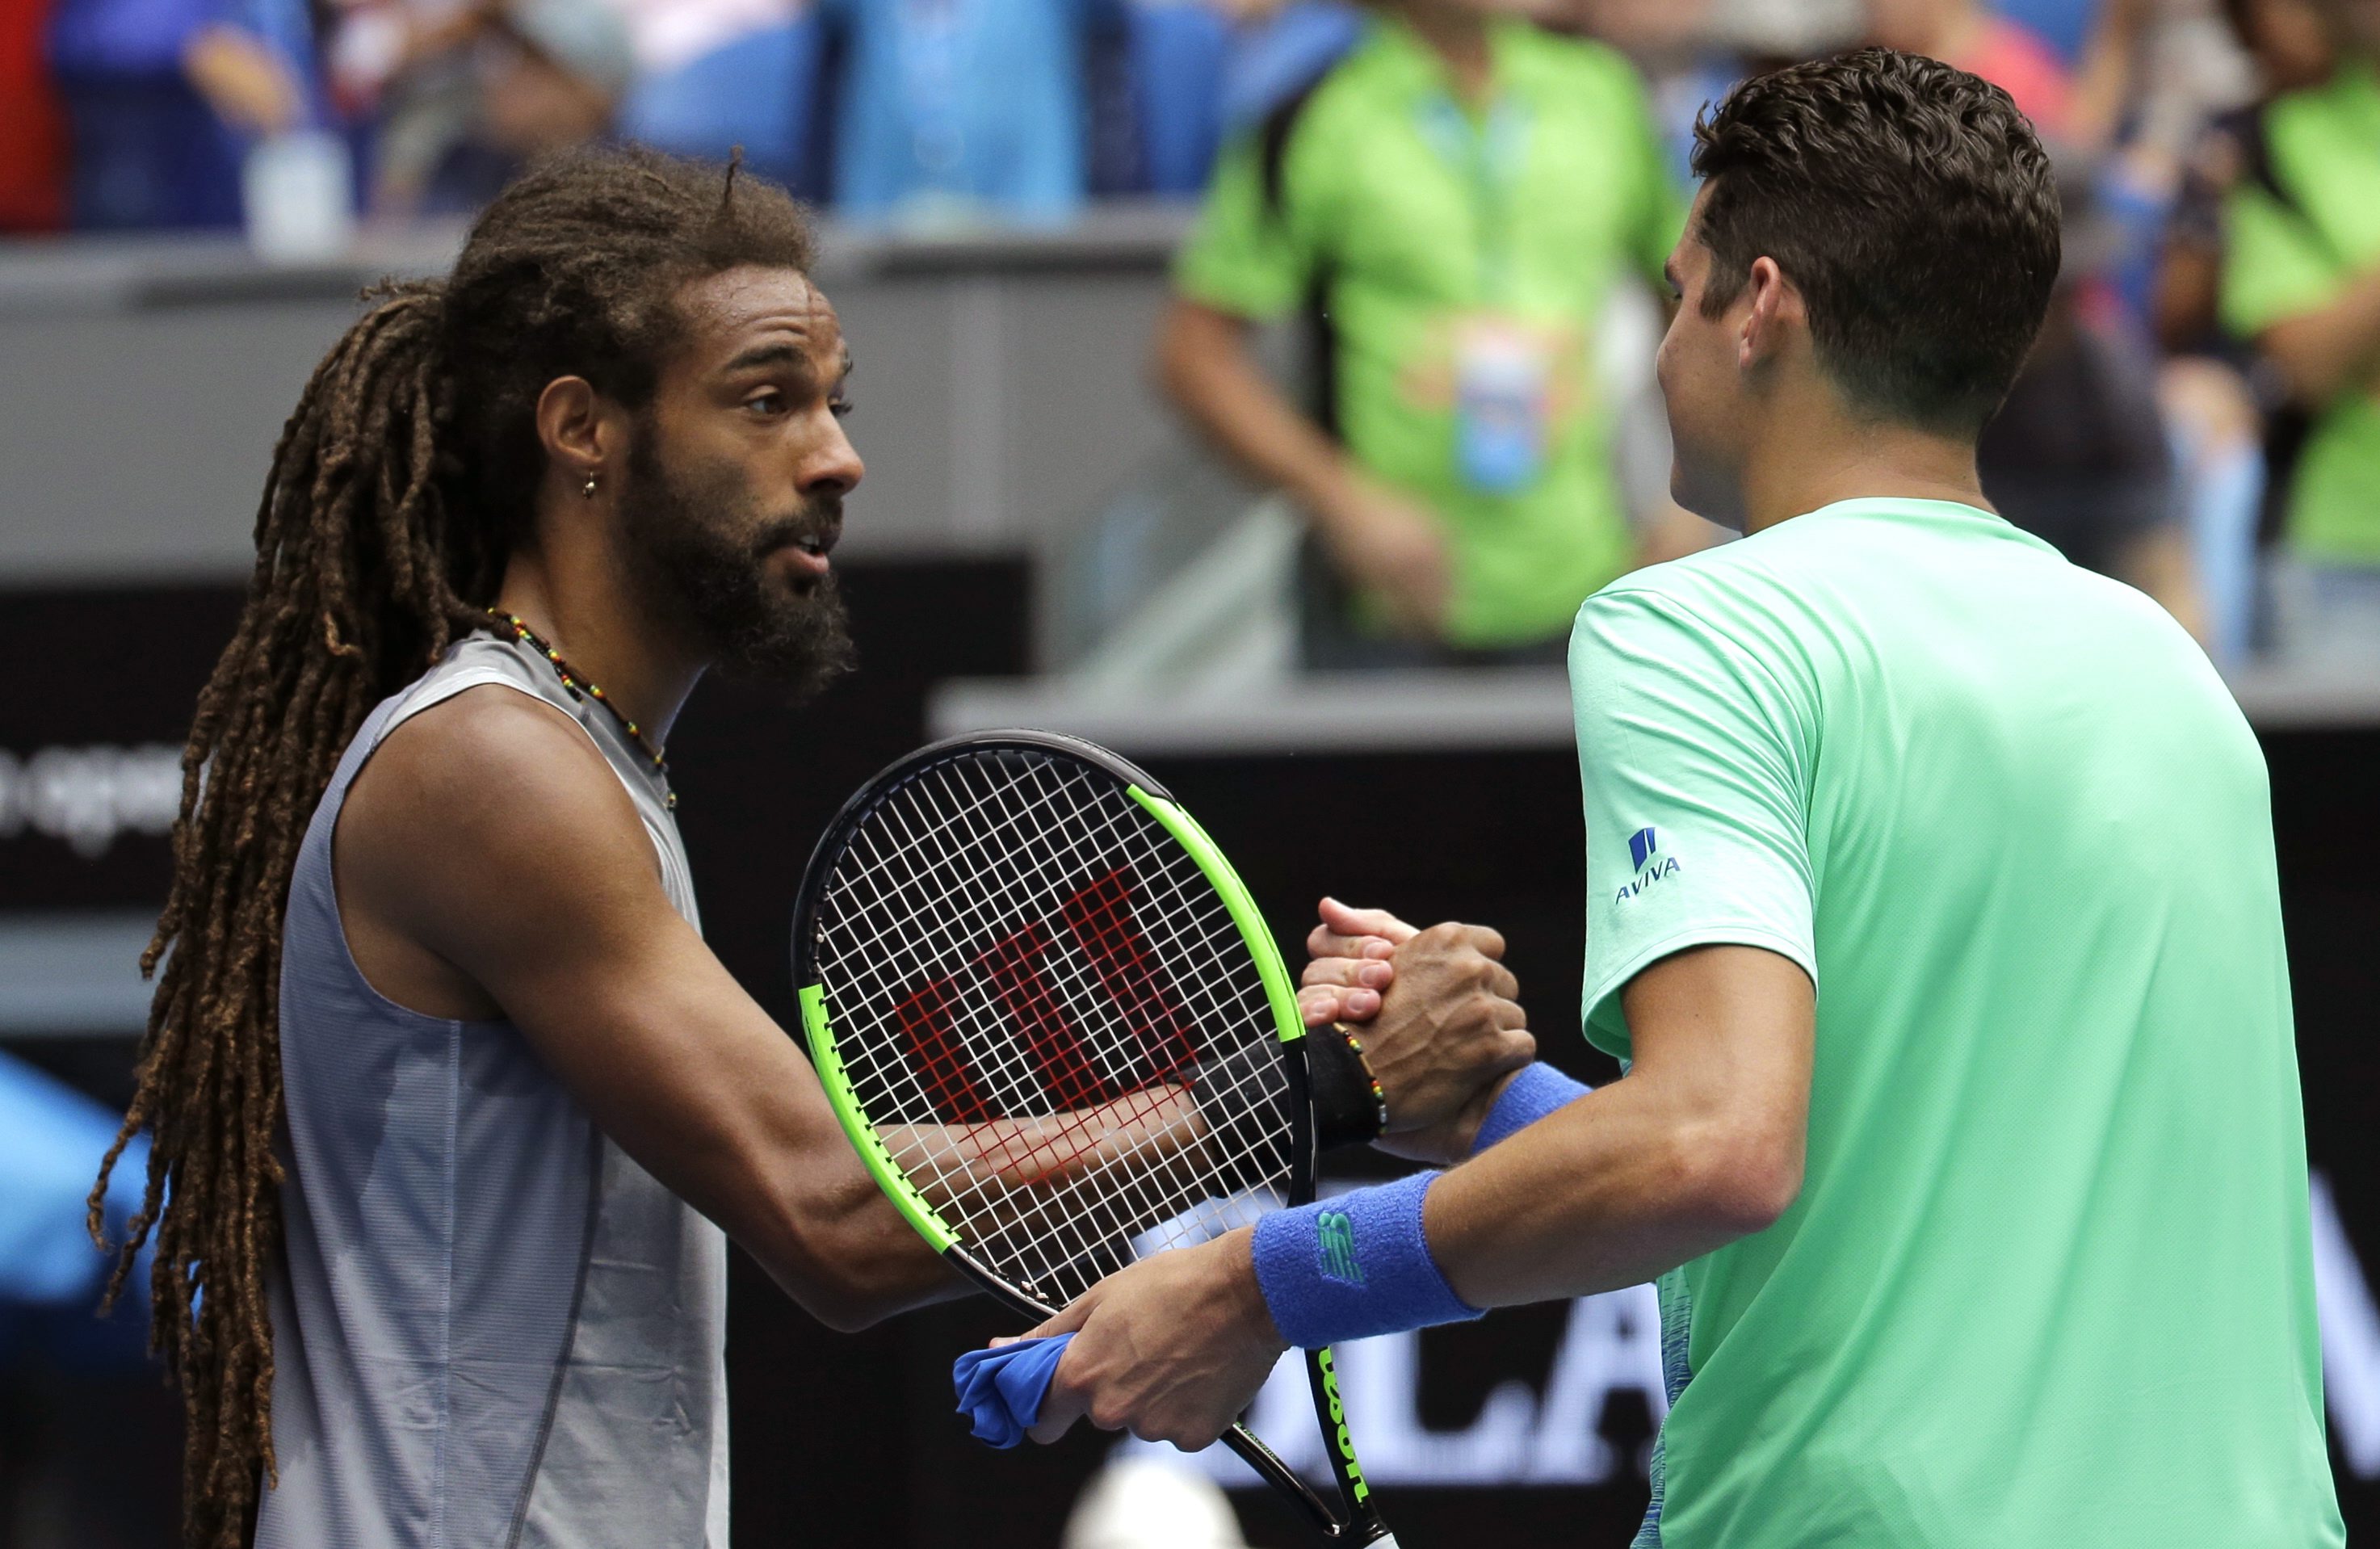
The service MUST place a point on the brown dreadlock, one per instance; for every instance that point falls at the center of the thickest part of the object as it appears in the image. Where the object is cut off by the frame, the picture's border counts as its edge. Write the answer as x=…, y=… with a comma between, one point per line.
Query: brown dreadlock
x=400, y=481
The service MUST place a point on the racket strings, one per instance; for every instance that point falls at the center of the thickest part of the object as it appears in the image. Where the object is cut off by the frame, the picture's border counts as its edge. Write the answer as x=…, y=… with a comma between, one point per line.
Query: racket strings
x=1143, y=1191
x=1103, y=1207
x=1038, y=998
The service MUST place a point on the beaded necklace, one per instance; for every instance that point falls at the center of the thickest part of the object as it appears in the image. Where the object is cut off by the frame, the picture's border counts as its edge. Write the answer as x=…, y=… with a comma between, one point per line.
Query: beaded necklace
x=586, y=688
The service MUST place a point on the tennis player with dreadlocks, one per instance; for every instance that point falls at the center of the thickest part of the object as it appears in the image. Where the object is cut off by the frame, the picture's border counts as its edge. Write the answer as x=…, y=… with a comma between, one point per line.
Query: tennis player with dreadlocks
x=448, y=1123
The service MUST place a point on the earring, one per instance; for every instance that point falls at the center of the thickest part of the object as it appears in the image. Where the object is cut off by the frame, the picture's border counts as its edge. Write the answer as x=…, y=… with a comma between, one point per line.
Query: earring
x=587, y=489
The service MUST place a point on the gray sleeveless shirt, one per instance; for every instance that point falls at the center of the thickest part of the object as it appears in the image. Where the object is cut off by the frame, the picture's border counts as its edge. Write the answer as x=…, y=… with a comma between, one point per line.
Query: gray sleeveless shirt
x=492, y=1330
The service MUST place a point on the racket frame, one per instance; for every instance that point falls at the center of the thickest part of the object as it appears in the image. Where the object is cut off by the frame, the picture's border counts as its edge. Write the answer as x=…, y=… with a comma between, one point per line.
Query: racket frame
x=1357, y=1521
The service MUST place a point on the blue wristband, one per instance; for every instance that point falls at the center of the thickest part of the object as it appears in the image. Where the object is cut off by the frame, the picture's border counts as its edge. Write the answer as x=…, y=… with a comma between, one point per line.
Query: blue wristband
x=1538, y=1090
x=1352, y=1267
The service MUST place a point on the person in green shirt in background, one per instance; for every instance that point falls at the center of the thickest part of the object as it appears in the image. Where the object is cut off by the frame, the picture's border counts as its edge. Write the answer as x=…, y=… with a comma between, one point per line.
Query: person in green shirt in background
x=2300, y=278
x=1455, y=202
x=1932, y=909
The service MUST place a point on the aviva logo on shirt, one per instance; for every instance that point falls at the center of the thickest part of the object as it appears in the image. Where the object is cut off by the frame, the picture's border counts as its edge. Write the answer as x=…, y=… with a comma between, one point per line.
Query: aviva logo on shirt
x=1645, y=849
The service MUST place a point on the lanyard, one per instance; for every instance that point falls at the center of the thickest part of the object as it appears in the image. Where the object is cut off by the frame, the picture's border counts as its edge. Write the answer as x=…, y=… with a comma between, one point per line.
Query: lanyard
x=1486, y=151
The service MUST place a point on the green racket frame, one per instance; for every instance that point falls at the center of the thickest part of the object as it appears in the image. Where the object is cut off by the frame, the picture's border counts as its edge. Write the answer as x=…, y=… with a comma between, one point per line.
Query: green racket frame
x=1359, y=1521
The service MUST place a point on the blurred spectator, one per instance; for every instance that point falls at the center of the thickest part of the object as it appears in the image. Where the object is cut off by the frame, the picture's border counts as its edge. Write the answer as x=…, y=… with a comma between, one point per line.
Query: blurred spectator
x=1969, y=34
x=2078, y=453
x=2235, y=451
x=2289, y=43
x=2064, y=24
x=2301, y=277
x=1180, y=51
x=1278, y=51
x=712, y=75
x=33, y=129
x=163, y=97
x=1453, y=204
x=464, y=93
x=954, y=112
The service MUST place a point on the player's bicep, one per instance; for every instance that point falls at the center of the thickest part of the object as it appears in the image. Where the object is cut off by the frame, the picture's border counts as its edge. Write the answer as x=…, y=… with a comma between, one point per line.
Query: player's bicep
x=1694, y=769
x=1726, y=1034
x=674, y=1060
x=527, y=867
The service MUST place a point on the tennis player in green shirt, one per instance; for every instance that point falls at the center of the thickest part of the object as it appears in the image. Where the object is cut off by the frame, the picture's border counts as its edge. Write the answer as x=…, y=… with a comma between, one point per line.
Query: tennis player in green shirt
x=1931, y=908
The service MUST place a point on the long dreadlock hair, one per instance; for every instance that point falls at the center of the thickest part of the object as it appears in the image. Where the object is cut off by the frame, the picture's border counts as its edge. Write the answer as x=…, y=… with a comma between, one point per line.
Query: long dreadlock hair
x=398, y=488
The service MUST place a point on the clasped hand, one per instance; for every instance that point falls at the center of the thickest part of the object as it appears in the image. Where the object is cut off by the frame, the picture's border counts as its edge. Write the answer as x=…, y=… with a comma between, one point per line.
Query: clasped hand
x=1173, y=1347
x=1442, y=1042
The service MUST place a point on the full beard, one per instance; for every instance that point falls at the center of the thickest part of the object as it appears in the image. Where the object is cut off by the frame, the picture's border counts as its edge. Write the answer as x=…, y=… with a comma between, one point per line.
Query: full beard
x=718, y=587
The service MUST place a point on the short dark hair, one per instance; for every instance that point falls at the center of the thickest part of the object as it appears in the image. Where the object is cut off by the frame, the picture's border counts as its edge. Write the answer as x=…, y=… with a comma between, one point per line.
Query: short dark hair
x=1912, y=207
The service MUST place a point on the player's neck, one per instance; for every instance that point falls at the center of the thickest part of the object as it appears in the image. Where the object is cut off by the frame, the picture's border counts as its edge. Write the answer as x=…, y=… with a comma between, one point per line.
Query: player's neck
x=1810, y=464
x=580, y=600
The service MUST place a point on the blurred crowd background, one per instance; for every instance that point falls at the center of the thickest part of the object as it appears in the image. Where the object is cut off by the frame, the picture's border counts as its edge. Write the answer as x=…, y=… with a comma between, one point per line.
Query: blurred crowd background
x=2199, y=419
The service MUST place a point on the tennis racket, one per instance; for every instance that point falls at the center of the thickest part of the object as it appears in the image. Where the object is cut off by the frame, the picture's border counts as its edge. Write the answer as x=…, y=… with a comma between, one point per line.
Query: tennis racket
x=1056, y=1027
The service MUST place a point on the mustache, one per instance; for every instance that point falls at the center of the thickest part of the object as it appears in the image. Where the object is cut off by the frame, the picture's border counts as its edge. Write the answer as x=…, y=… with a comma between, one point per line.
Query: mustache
x=820, y=520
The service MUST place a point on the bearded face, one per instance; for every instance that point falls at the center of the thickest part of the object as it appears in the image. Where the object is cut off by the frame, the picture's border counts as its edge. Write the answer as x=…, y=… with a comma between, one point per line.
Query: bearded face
x=712, y=555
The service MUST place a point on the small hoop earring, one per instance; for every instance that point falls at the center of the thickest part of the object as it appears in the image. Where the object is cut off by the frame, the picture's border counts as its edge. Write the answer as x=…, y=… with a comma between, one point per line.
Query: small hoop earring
x=587, y=489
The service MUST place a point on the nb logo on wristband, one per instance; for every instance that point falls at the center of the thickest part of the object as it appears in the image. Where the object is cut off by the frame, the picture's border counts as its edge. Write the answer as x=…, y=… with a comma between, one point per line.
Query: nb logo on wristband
x=1335, y=1248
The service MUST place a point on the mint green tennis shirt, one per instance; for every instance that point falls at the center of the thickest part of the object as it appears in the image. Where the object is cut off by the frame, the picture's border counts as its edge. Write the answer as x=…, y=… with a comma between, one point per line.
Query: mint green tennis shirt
x=1443, y=245
x=2049, y=1282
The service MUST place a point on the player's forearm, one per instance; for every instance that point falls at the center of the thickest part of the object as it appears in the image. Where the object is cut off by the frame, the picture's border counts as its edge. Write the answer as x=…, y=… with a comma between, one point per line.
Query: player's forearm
x=834, y=1242
x=1205, y=366
x=1611, y=1191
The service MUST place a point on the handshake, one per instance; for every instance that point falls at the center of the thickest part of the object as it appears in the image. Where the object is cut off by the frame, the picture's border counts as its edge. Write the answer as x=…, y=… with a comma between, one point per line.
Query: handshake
x=1443, y=1032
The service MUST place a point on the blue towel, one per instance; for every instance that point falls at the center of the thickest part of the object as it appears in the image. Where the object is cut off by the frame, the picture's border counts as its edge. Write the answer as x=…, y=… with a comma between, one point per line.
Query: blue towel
x=1001, y=1390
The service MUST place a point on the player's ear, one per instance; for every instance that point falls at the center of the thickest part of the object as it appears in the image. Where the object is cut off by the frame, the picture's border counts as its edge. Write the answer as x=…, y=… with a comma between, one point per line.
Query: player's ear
x=1772, y=307
x=580, y=435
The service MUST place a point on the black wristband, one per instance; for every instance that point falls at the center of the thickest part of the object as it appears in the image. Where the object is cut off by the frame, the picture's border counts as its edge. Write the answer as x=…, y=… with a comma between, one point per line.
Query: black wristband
x=1349, y=1106
x=1243, y=1098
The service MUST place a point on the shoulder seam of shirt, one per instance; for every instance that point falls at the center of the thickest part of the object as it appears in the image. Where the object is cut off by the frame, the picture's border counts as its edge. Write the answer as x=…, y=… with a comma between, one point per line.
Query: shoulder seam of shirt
x=1656, y=597
x=1809, y=739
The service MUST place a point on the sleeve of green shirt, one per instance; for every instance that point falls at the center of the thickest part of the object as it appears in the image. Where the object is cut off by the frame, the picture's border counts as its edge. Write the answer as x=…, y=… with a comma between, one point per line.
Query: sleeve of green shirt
x=2276, y=265
x=1243, y=255
x=1693, y=759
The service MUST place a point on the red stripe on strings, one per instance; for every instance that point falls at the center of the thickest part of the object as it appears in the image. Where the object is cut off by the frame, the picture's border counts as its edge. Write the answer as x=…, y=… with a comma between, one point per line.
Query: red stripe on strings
x=936, y=1053
x=1014, y=967
x=1101, y=919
